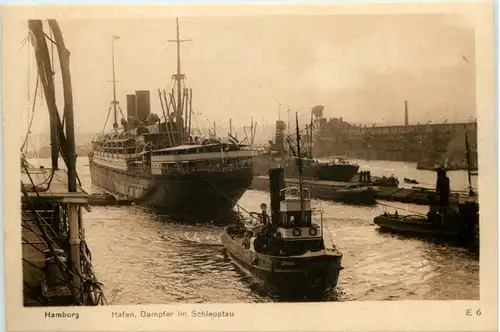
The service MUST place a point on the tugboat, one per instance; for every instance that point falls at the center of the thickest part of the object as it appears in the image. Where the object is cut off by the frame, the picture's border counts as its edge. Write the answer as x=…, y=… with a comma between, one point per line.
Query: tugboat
x=458, y=223
x=286, y=251
x=455, y=225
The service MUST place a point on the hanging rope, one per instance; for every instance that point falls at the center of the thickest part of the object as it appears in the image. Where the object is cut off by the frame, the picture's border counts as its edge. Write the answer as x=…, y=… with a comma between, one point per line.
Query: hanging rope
x=107, y=118
x=50, y=243
x=226, y=196
x=400, y=208
x=47, y=181
x=32, y=116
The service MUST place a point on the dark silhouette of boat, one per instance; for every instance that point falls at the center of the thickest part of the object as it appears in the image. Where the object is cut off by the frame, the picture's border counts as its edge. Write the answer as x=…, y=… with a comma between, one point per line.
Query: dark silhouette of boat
x=410, y=181
x=286, y=251
x=337, y=169
x=358, y=193
x=458, y=222
x=455, y=225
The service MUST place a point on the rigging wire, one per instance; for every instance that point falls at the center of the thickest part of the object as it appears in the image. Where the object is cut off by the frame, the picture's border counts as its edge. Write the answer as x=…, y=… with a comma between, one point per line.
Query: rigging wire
x=47, y=240
x=47, y=181
x=44, y=236
x=400, y=208
x=226, y=196
x=32, y=116
x=107, y=118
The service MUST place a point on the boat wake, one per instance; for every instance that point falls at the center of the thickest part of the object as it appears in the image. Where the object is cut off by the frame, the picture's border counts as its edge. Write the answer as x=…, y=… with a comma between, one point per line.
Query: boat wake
x=196, y=238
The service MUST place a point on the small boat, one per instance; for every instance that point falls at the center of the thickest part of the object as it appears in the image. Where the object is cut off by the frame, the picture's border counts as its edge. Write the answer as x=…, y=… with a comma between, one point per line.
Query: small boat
x=458, y=222
x=286, y=251
x=416, y=225
x=105, y=199
x=412, y=181
x=386, y=181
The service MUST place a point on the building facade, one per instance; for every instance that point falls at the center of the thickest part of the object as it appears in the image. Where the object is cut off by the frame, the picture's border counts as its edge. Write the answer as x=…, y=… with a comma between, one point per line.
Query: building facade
x=411, y=143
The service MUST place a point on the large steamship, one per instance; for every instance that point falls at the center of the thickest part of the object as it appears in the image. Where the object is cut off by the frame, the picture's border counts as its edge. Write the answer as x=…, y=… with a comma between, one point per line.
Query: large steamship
x=159, y=163
x=338, y=169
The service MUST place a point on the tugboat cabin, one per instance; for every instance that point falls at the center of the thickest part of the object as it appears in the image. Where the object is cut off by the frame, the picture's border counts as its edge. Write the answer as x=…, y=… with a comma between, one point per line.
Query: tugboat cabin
x=295, y=227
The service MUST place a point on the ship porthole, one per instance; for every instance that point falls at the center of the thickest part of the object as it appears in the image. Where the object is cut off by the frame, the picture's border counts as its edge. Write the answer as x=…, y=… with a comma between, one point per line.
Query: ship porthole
x=313, y=231
x=297, y=232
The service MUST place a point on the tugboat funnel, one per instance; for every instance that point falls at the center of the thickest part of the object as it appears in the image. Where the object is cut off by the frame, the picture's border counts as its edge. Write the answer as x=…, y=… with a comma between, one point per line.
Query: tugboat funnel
x=263, y=207
x=276, y=184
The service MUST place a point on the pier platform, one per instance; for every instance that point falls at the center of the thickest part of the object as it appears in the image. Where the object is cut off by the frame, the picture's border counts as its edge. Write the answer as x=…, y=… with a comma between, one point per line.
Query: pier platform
x=44, y=219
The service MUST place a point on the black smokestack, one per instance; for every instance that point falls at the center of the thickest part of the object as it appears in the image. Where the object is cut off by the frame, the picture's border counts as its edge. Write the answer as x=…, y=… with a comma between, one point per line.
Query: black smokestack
x=142, y=104
x=131, y=113
x=276, y=184
x=406, y=113
x=280, y=136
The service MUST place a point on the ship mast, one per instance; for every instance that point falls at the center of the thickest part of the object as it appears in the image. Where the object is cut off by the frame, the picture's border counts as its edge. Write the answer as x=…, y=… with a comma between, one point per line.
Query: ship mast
x=114, y=102
x=467, y=156
x=311, y=126
x=299, y=166
x=178, y=78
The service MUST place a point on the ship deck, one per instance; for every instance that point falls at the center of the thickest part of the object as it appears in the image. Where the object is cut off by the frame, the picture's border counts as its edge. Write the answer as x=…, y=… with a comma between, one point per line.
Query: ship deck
x=316, y=182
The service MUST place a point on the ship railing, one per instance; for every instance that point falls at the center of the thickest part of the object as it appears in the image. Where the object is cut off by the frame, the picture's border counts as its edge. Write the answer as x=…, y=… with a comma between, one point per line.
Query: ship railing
x=293, y=193
x=111, y=155
x=195, y=169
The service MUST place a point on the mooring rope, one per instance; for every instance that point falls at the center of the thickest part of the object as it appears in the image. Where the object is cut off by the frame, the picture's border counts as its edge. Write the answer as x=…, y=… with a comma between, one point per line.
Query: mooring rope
x=400, y=208
x=229, y=198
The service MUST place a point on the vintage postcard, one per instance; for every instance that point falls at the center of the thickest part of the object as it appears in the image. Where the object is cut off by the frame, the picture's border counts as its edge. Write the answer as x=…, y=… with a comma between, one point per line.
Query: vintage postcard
x=314, y=167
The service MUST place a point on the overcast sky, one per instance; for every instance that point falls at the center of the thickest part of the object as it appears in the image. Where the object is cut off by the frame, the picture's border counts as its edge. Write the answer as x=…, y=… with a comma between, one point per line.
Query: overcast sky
x=360, y=67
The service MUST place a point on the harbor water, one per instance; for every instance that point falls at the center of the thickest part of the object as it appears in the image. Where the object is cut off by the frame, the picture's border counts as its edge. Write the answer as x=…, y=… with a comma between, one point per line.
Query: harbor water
x=142, y=258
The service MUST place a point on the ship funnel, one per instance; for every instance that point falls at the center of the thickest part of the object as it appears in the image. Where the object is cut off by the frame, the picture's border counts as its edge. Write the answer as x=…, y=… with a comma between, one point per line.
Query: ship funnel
x=142, y=104
x=276, y=184
x=280, y=136
x=131, y=113
x=406, y=113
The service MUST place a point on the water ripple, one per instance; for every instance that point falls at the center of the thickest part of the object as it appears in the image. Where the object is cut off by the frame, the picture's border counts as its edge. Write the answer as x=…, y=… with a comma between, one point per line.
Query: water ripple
x=145, y=258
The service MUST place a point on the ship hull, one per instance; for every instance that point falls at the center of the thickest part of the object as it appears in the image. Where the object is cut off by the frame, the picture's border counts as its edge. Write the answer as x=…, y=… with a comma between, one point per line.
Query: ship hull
x=311, y=275
x=343, y=173
x=335, y=172
x=416, y=226
x=201, y=194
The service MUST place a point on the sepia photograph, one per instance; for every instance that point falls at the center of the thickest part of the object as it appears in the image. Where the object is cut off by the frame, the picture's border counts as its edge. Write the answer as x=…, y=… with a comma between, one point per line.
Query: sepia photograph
x=252, y=157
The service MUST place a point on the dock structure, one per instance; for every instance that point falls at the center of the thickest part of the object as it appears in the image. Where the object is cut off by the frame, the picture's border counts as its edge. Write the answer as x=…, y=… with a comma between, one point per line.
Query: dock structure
x=409, y=142
x=57, y=267
x=331, y=190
